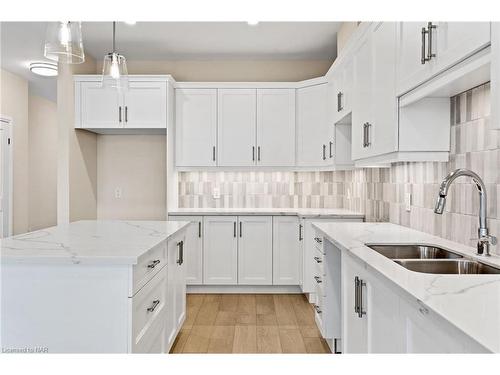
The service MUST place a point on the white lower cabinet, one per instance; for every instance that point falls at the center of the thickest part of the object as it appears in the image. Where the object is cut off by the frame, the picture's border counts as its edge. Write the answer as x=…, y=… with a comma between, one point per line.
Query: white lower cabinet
x=287, y=250
x=176, y=291
x=255, y=250
x=220, y=250
x=193, y=250
x=379, y=318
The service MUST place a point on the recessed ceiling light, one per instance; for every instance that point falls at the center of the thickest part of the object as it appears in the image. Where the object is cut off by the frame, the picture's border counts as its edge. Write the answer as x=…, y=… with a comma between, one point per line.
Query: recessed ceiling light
x=130, y=22
x=253, y=23
x=44, y=69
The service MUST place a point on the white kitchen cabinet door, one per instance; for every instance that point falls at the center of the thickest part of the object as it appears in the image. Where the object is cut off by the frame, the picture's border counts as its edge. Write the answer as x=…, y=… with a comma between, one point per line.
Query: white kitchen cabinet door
x=220, y=250
x=383, y=129
x=276, y=127
x=255, y=250
x=454, y=41
x=362, y=99
x=411, y=70
x=312, y=125
x=146, y=105
x=98, y=107
x=355, y=326
x=236, y=127
x=193, y=249
x=195, y=127
x=287, y=250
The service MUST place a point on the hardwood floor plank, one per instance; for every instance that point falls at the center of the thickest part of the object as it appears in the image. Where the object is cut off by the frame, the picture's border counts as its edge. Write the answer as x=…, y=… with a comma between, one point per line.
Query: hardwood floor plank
x=207, y=314
x=180, y=341
x=221, y=340
x=311, y=331
x=291, y=341
x=303, y=310
x=264, y=304
x=225, y=318
x=246, y=304
x=245, y=339
x=229, y=302
x=268, y=339
x=198, y=339
x=212, y=298
x=316, y=345
x=267, y=320
x=246, y=319
x=284, y=311
x=193, y=305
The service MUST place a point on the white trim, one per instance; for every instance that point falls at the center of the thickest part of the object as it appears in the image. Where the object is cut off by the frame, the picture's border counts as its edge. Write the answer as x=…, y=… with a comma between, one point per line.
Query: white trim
x=296, y=168
x=7, y=123
x=235, y=85
x=132, y=77
x=244, y=289
x=384, y=161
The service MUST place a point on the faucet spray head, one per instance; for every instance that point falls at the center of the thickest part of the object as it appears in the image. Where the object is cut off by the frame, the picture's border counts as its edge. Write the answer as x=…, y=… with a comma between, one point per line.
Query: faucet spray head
x=440, y=203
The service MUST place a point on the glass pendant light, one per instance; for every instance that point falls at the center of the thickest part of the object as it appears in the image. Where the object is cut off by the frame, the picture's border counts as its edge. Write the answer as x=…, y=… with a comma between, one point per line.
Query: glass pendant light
x=63, y=42
x=114, y=68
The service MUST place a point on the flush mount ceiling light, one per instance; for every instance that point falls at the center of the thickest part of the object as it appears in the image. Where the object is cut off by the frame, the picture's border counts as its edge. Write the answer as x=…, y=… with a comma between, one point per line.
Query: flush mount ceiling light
x=44, y=69
x=63, y=42
x=253, y=23
x=114, y=68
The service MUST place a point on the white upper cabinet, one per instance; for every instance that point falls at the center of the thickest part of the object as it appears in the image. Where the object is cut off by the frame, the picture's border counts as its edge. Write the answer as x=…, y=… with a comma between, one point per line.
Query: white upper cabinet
x=428, y=48
x=276, y=127
x=312, y=126
x=255, y=250
x=98, y=107
x=196, y=127
x=140, y=108
x=146, y=105
x=236, y=127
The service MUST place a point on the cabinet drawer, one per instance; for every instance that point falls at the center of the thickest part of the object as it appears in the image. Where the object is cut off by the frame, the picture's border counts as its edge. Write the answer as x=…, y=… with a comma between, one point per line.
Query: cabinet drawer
x=319, y=268
x=148, y=310
x=318, y=243
x=149, y=264
x=320, y=286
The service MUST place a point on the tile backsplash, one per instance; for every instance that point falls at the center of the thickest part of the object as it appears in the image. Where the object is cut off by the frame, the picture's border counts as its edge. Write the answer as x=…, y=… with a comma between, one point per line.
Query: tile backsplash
x=380, y=192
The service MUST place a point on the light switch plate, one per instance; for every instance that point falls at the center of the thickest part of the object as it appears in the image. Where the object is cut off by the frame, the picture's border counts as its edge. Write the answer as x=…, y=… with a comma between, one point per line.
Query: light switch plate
x=216, y=193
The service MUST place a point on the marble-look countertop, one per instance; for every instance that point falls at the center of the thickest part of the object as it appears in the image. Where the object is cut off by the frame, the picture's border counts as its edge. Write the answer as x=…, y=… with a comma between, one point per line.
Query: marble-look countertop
x=89, y=242
x=302, y=212
x=469, y=302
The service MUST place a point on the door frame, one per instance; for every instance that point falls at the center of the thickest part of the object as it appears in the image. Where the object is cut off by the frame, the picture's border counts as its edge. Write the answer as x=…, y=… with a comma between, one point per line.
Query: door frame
x=6, y=124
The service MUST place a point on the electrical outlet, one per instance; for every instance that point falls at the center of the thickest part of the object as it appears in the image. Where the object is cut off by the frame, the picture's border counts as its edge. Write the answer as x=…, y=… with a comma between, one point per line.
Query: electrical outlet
x=216, y=193
x=118, y=193
x=408, y=202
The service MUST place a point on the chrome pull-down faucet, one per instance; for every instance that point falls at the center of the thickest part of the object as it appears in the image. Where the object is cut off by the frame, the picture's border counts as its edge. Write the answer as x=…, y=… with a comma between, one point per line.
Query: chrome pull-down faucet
x=484, y=238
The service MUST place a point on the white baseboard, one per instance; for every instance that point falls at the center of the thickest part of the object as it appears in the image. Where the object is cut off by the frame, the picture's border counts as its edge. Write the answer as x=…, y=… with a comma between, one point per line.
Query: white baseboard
x=250, y=289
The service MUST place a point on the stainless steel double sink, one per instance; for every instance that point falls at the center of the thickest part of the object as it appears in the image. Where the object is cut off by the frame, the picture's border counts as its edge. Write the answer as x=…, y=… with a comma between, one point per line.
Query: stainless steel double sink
x=431, y=259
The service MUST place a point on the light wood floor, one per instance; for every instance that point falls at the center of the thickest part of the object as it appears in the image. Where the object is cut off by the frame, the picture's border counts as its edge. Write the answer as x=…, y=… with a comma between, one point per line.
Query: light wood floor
x=249, y=323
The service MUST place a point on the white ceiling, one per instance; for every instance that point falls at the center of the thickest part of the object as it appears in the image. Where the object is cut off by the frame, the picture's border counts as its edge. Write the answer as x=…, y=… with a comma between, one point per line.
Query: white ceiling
x=22, y=42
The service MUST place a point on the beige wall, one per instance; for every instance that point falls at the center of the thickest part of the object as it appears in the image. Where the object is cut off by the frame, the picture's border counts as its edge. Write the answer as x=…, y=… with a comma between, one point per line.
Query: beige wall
x=42, y=163
x=344, y=33
x=14, y=103
x=233, y=70
x=136, y=164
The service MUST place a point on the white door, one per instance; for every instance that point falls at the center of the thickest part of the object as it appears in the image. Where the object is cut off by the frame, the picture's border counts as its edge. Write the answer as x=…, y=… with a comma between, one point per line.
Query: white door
x=455, y=41
x=345, y=86
x=236, y=127
x=220, y=250
x=312, y=125
x=355, y=323
x=193, y=249
x=99, y=107
x=255, y=250
x=146, y=105
x=5, y=177
x=195, y=127
x=383, y=131
x=276, y=127
x=362, y=99
x=287, y=250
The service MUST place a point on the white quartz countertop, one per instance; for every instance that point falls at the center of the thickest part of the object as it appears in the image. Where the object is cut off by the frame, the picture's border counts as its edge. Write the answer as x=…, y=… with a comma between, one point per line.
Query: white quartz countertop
x=469, y=302
x=89, y=242
x=302, y=212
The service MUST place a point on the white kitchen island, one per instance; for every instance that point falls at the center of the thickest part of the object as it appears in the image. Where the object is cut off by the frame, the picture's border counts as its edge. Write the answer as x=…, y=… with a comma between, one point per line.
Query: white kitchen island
x=94, y=286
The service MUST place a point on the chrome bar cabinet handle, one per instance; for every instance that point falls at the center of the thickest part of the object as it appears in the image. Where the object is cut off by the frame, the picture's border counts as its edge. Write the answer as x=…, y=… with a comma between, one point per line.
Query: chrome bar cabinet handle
x=300, y=232
x=331, y=152
x=258, y=153
x=318, y=260
x=126, y=113
x=213, y=153
x=241, y=229
x=199, y=229
x=430, y=27
x=234, y=229
x=356, y=295
x=423, y=58
x=324, y=152
x=180, y=256
x=154, y=263
x=120, y=114
x=153, y=307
